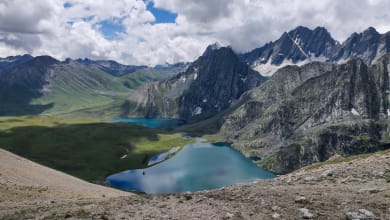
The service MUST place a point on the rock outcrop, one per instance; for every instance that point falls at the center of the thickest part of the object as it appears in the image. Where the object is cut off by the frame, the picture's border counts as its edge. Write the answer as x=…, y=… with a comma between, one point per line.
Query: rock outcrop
x=303, y=115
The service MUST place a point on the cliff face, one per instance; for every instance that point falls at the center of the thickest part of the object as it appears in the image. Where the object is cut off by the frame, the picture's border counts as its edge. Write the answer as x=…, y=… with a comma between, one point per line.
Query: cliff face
x=210, y=85
x=303, y=115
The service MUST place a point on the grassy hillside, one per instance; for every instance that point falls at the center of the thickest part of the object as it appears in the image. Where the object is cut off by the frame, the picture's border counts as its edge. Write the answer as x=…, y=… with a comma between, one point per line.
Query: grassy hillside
x=85, y=148
x=50, y=87
x=76, y=87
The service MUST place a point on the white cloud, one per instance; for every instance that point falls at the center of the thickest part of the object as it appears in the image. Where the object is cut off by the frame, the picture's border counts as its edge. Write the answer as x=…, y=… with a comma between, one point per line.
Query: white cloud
x=47, y=27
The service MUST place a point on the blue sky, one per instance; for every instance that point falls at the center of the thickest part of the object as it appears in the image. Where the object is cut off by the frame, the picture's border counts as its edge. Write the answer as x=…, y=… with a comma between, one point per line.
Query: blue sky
x=161, y=15
x=111, y=29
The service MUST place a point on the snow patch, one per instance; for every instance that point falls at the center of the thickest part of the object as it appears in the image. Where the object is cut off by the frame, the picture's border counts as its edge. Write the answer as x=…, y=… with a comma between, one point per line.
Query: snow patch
x=321, y=58
x=196, y=73
x=197, y=111
x=123, y=157
x=184, y=79
x=297, y=43
x=204, y=100
x=388, y=112
x=268, y=69
x=354, y=112
x=381, y=50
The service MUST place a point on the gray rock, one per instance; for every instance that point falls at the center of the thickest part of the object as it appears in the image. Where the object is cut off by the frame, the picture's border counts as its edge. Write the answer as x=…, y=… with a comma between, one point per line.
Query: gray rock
x=120, y=216
x=327, y=173
x=276, y=215
x=275, y=208
x=305, y=213
x=229, y=215
x=300, y=199
x=361, y=214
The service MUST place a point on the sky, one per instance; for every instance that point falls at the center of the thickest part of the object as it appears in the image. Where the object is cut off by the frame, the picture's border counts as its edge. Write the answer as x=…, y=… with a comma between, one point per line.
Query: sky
x=150, y=32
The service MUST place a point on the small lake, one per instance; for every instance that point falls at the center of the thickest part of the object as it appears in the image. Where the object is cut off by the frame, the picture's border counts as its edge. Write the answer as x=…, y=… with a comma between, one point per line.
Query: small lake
x=151, y=122
x=200, y=166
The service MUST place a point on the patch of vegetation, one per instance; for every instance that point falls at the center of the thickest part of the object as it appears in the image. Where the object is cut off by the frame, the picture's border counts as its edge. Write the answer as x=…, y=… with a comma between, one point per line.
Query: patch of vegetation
x=269, y=163
x=85, y=148
x=362, y=138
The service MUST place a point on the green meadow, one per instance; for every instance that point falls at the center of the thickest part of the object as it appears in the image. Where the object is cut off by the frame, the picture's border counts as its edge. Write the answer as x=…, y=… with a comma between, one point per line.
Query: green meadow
x=86, y=148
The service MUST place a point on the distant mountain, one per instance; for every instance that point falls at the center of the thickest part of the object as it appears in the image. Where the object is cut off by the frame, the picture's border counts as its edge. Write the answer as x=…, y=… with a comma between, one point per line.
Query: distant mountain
x=112, y=67
x=172, y=68
x=43, y=84
x=368, y=46
x=209, y=85
x=303, y=45
x=9, y=62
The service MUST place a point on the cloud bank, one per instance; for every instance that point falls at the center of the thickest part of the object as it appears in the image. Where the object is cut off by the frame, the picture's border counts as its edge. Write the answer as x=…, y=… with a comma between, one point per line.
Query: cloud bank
x=78, y=28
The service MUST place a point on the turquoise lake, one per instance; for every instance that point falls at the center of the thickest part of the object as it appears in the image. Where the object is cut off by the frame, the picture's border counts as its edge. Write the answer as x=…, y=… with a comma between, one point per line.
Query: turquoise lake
x=200, y=166
x=151, y=122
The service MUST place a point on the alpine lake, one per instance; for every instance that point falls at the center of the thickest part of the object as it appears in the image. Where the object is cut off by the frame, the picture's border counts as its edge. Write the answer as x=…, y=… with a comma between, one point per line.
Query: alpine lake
x=194, y=167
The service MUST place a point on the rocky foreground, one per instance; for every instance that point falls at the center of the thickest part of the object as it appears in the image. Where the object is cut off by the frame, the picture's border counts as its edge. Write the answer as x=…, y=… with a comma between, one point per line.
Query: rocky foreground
x=341, y=188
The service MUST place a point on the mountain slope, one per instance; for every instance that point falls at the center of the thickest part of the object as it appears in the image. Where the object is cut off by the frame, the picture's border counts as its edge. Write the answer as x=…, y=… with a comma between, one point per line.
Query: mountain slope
x=209, y=86
x=303, y=45
x=24, y=174
x=22, y=83
x=44, y=85
x=303, y=115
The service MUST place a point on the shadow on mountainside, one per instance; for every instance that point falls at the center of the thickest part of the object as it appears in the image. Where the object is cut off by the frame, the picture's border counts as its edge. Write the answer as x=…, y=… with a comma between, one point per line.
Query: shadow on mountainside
x=88, y=151
x=22, y=84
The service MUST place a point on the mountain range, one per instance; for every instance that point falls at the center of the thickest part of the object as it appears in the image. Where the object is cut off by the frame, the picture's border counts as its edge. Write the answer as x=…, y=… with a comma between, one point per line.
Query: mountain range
x=301, y=114
x=310, y=98
x=303, y=45
x=44, y=85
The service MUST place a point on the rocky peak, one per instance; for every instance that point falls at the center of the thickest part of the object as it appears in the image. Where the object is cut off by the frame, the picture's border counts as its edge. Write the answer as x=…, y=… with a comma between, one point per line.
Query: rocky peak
x=209, y=85
x=371, y=31
x=300, y=45
x=44, y=60
x=365, y=45
x=219, y=78
x=209, y=50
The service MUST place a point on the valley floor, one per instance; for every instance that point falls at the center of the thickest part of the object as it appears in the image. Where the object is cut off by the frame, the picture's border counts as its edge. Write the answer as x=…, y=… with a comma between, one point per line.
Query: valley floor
x=332, y=190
